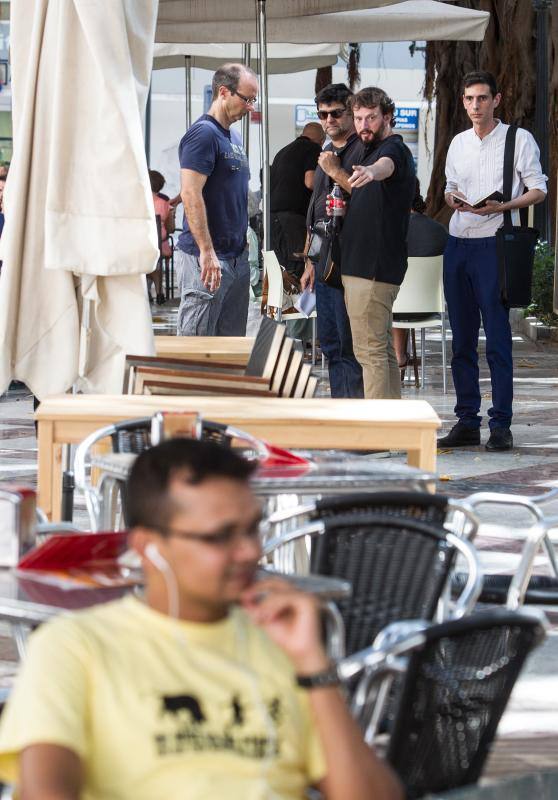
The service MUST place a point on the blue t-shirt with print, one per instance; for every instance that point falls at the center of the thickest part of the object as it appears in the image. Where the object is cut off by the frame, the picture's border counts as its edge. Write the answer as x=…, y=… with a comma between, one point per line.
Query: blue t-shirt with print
x=214, y=151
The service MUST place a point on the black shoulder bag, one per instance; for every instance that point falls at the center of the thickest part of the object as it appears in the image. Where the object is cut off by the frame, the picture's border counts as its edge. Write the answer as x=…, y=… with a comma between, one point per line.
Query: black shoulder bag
x=515, y=244
x=328, y=265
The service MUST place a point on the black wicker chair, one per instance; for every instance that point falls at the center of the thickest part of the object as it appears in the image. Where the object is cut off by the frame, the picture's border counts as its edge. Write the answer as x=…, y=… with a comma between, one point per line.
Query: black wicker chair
x=458, y=678
x=434, y=509
x=397, y=566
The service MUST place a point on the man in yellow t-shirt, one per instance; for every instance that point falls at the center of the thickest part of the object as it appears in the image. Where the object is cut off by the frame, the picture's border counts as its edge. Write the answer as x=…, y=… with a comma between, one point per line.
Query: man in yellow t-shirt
x=190, y=693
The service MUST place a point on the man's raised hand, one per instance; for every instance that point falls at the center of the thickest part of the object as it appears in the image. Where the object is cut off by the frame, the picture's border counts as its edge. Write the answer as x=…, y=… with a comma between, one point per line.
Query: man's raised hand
x=291, y=619
x=361, y=176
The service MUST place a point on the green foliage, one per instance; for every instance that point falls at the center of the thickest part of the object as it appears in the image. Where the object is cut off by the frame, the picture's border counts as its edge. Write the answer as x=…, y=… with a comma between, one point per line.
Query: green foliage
x=543, y=285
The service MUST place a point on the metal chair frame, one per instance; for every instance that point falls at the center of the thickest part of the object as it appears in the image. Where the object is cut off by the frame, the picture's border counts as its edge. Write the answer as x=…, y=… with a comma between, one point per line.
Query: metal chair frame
x=537, y=536
x=102, y=500
x=459, y=515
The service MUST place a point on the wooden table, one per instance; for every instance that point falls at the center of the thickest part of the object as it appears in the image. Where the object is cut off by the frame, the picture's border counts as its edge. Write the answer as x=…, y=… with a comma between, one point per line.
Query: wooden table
x=408, y=425
x=232, y=349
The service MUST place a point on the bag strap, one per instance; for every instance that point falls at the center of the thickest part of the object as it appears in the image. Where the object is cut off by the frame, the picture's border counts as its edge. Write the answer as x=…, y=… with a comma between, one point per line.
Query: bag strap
x=509, y=152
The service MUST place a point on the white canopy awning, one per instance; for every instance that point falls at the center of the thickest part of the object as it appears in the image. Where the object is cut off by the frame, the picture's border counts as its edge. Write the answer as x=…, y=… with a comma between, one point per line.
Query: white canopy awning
x=188, y=12
x=281, y=58
x=404, y=21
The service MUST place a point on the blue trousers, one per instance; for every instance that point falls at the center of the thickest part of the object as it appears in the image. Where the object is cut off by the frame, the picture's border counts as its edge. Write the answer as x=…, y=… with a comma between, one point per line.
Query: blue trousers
x=334, y=333
x=472, y=291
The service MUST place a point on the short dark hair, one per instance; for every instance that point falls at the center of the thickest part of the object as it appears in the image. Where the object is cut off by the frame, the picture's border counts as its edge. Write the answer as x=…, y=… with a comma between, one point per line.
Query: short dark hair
x=418, y=205
x=472, y=78
x=187, y=460
x=229, y=75
x=373, y=97
x=334, y=93
x=156, y=180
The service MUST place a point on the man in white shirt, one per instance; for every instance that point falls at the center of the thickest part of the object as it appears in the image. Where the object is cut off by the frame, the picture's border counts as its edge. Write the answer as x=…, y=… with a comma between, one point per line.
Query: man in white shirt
x=474, y=169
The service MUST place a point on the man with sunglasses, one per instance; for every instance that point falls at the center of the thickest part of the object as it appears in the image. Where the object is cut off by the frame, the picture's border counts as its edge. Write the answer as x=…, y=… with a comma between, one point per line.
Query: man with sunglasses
x=334, y=166
x=212, y=256
x=191, y=691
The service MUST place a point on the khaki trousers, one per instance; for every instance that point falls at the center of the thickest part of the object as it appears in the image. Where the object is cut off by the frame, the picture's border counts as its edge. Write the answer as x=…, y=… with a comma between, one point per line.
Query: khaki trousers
x=369, y=305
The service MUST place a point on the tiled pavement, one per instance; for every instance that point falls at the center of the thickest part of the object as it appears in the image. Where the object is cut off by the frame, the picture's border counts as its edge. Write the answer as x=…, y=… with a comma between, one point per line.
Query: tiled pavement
x=529, y=731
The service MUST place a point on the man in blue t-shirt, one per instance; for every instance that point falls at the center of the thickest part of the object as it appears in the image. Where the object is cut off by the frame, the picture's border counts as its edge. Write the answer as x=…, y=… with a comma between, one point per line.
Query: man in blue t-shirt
x=212, y=259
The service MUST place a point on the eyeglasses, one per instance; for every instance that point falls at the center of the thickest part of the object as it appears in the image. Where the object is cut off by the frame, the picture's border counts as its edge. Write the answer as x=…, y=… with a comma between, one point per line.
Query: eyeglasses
x=222, y=538
x=336, y=113
x=250, y=101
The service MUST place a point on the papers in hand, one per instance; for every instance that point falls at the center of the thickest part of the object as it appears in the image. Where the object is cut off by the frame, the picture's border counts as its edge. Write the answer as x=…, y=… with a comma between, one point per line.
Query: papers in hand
x=498, y=196
x=306, y=302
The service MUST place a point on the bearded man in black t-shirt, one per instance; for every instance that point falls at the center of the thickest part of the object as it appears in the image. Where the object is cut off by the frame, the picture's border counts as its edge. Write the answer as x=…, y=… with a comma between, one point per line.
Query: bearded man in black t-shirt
x=374, y=239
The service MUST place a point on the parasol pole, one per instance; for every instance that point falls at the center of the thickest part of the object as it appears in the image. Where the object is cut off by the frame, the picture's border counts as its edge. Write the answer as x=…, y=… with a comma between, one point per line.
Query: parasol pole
x=265, y=122
x=188, y=89
x=246, y=117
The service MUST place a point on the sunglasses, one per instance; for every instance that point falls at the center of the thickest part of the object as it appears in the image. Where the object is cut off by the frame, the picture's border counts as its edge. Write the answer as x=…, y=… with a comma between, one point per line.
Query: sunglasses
x=336, y=113
x=250, y=101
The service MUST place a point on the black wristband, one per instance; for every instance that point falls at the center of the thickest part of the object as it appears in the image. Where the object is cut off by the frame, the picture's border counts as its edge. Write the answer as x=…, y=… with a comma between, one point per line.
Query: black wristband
x=319, y=680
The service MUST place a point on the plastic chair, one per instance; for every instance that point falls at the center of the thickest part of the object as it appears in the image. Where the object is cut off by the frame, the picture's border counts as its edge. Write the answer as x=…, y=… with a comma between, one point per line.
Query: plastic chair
x=397, y=565
x=458, y=677
x=275, y=296
x=422, y=292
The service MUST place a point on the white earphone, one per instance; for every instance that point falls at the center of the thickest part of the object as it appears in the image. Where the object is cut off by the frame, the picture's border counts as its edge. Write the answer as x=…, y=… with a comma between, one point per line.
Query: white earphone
x=152, y=553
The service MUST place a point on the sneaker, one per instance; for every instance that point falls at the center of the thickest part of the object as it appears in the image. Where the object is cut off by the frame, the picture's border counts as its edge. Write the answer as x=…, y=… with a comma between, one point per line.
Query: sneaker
x=460, y=436
x=500, y=439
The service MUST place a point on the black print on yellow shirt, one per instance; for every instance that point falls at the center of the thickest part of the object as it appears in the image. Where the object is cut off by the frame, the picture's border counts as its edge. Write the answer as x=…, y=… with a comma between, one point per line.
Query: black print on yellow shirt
x=174, y=704
x=193, y=732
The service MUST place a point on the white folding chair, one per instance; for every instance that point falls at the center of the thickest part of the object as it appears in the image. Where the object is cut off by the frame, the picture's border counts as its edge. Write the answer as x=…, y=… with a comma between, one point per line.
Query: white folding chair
x=422, y=292
x=275, y=295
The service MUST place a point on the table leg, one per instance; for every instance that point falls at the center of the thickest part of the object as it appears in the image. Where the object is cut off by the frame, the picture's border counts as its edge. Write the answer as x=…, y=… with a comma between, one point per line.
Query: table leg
x=56, y=475
x=424, y=457
x=45, y=466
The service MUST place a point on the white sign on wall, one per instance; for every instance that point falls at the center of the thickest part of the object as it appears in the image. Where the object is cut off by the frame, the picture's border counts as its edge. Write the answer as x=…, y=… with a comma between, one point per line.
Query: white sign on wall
x=303, y=115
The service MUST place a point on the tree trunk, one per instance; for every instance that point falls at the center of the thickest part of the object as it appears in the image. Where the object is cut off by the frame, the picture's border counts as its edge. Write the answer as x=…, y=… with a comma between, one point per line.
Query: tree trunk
x=324, y=76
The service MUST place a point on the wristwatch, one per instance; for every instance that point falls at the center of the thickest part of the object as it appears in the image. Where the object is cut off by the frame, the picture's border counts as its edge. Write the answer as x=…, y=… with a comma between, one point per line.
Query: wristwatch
x=319, y=680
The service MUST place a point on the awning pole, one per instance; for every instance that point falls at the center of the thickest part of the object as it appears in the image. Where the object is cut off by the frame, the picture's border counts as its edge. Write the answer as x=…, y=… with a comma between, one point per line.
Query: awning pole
x=188, y=89
x=246, y=118
x=265, y=123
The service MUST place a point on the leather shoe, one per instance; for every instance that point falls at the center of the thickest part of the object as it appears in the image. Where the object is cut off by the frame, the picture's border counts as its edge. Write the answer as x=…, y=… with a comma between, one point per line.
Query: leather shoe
x=460, y=436
x=500, y=439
